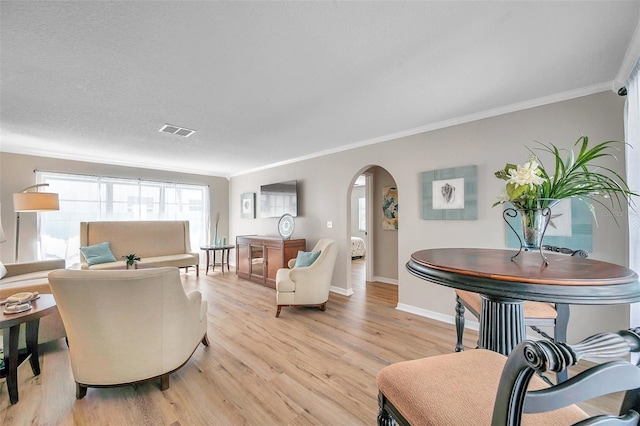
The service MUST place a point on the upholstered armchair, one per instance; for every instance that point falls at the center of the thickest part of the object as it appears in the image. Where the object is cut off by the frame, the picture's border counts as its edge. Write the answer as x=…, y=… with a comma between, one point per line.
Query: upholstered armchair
x=307, y=285
x=127, y=326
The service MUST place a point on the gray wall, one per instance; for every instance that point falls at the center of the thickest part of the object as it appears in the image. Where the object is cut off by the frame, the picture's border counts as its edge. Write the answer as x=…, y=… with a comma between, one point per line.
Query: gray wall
x=326, y=182
x=17, y=173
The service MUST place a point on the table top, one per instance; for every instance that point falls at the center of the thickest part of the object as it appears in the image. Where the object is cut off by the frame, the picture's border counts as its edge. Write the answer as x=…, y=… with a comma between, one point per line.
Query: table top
x=223, y=247
x=43, y=305
x=567, y=279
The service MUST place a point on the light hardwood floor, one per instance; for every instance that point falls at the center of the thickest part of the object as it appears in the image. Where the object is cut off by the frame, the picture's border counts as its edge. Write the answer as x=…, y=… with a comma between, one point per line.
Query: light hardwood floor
x=305, y=368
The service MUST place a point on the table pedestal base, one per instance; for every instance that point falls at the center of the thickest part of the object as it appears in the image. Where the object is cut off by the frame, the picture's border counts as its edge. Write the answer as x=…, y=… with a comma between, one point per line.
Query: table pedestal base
x=501, y=324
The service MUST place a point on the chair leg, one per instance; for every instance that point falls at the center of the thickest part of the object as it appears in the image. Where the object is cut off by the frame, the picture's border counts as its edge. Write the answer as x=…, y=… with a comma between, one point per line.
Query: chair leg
x=164, y=382
x=459, y=325
x=323, y=307
x=205, y=340
x=384, y=418
x=197, y=270
x=278, y=311
x=81, y=391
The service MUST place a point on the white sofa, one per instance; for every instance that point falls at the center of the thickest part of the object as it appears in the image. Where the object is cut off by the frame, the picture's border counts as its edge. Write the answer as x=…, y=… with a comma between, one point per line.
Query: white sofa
x=156, y=242
x=32, y=276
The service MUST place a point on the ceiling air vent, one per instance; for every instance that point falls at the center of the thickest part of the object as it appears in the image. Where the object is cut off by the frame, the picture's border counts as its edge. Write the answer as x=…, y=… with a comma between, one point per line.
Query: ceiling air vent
x=175, y=130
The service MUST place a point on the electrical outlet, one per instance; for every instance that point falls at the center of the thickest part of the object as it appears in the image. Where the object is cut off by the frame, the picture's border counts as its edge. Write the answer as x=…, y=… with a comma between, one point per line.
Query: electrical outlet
x=329, y=224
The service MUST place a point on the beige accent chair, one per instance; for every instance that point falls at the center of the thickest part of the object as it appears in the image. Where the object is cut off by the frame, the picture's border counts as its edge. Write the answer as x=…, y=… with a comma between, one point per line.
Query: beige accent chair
x=128, y=326
x=308, y=285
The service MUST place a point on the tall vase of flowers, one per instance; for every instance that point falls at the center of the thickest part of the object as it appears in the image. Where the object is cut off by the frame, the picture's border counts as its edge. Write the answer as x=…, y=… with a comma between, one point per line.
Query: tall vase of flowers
x=534, y=190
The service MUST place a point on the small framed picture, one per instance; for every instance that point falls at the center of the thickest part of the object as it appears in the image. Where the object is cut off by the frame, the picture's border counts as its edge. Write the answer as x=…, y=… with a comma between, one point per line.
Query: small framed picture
x=248, y=205
x=450, y=194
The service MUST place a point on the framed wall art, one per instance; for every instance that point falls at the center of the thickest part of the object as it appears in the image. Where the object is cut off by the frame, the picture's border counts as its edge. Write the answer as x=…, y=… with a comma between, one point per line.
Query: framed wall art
x=450, y=194
x=248, y=205
x=390, y=208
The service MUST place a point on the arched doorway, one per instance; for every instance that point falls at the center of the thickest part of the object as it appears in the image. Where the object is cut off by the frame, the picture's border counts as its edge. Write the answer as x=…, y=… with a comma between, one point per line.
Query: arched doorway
x=372, y=210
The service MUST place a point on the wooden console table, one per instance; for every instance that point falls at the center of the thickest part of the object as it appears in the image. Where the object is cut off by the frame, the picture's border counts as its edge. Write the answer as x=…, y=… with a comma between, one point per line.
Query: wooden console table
x=259, y=258
x=505, y=284
x=10, y=323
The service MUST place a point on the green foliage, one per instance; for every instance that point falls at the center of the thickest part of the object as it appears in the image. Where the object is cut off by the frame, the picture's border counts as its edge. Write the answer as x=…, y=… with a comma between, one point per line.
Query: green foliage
x=577, y=175
x=131, y=259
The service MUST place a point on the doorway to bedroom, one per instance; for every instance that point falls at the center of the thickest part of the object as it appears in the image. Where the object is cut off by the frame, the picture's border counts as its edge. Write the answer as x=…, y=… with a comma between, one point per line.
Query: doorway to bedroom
x=373, y=232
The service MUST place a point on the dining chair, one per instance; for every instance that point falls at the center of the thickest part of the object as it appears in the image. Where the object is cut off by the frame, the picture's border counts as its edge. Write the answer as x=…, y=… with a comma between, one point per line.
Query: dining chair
x=536, y=314
x=483, y=387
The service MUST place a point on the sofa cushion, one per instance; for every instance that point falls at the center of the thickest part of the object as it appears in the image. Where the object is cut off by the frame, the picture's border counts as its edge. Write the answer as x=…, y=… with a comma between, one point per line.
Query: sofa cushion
x=306, y=258
x=177, y=260
x=31, y=276
x=3, y=270
x=97, y=253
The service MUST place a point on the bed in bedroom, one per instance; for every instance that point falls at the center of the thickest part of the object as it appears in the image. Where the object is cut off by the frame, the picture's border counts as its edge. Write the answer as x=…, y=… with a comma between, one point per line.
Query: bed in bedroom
x=358, y=249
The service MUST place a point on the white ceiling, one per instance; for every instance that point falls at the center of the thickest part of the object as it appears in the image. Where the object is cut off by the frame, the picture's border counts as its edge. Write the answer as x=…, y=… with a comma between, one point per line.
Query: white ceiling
x=269, y=82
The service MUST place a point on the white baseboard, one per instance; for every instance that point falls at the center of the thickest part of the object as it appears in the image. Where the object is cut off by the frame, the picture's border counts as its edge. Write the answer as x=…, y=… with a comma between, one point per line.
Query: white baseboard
x=448, y=319
x=342, y=291
x=385, y=280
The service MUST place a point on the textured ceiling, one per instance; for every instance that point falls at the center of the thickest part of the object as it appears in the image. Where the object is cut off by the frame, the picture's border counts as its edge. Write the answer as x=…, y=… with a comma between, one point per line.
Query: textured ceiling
x=269, y=82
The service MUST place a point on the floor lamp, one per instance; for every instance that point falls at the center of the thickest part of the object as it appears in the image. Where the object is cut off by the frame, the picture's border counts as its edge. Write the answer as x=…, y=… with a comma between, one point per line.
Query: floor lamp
x=26, y=201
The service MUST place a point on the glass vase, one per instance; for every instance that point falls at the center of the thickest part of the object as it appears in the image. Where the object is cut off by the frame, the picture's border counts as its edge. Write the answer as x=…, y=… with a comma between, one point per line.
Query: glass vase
x=534, y=223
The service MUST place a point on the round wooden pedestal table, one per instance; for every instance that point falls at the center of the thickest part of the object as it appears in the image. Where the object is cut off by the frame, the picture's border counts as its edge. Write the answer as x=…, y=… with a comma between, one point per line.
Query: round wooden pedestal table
x=505, y=284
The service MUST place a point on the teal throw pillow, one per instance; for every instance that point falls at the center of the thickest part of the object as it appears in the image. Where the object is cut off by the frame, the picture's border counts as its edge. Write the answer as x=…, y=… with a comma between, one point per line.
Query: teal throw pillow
x=98, y=253
x=306, y=258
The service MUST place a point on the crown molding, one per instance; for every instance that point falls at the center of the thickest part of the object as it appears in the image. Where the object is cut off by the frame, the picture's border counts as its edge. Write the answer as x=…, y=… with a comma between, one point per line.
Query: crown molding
x=521, y=106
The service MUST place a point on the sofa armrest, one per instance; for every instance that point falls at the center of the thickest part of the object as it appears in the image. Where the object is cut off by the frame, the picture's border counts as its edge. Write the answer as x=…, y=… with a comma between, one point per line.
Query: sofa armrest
x=35, y=266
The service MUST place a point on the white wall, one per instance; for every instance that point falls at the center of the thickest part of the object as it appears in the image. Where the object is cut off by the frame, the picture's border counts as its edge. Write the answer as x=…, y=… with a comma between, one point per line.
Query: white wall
x=17, y=173
x=489, y=144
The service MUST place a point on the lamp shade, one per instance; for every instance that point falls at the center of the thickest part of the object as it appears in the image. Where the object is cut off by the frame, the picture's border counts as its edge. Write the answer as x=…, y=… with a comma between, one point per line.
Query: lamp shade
x=35, y=202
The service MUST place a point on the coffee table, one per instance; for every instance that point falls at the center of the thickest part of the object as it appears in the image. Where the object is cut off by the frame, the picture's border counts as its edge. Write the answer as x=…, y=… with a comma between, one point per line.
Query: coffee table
x=10, y=324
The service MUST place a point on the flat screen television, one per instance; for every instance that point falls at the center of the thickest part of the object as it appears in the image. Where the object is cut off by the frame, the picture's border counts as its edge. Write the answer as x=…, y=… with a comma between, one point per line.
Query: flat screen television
x=277, y=199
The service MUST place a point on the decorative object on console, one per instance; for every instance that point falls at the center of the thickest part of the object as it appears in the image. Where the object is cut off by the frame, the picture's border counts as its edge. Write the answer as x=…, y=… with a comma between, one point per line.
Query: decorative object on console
x=533, y=191
x=32, y=202
x=450, y=194
x=248, y=205
x=285, y=226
